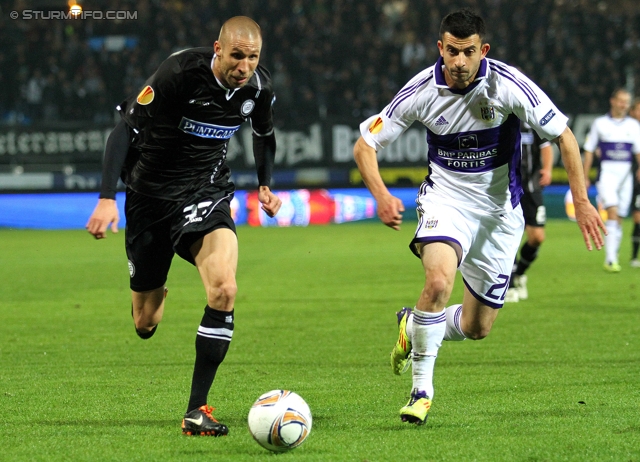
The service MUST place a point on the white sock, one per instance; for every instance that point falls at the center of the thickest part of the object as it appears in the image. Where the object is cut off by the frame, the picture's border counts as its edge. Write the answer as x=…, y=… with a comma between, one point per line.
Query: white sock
x=610, y=240
x=427, y=335
x=409, y=327
x=453, y=331
x=618, y=240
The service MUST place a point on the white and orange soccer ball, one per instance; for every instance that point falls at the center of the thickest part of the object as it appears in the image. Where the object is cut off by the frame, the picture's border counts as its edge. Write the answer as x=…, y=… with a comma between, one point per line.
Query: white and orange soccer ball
x=280, y=420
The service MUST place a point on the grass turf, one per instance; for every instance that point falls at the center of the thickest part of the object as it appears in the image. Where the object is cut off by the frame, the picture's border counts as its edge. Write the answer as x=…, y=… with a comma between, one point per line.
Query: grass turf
x=557, y=379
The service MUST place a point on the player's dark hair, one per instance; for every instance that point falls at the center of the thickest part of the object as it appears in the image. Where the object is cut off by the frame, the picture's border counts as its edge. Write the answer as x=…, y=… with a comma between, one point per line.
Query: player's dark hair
x=462, y=24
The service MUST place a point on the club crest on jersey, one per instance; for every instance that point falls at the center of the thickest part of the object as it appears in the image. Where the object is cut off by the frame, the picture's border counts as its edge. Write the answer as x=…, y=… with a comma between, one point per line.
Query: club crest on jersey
x=376, y=126
x=145, y=96
x=247, y=107
x=487, y=113
x=430, y=223
x=204, y=130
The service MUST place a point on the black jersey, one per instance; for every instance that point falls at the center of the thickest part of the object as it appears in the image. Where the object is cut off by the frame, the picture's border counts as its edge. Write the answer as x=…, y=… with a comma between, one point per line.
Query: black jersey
x=183, y=119
x=531, y=162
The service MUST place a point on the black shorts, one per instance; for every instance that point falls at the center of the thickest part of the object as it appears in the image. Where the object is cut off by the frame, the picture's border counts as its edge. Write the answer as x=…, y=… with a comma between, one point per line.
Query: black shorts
x=635, y=198
x=157, y=229
x=533, y=209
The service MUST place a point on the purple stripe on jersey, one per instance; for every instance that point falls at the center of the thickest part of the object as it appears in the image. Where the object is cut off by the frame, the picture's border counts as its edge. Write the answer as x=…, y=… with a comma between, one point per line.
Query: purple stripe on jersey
x=533, y=99
x=429, y=239
x=504, y=68
x=476, y=151
x=404, y=94
x=482, y=299
x=515, y=172
x=424, y=320
x=619, y=152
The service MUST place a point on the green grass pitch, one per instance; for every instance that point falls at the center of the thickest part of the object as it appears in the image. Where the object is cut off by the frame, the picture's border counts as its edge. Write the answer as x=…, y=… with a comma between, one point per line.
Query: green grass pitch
x=557, y=379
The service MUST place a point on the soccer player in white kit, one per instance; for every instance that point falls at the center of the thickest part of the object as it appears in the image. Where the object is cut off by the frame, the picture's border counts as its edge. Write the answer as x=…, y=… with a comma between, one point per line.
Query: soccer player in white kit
x=468, y=207
x=617, y=137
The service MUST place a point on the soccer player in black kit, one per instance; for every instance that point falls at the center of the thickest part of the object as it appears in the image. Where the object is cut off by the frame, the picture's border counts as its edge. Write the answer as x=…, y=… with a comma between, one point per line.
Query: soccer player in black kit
x=536, y=167
x=170, y=149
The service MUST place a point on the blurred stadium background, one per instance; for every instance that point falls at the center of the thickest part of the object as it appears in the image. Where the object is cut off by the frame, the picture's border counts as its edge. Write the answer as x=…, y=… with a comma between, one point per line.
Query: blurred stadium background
x=333, y=63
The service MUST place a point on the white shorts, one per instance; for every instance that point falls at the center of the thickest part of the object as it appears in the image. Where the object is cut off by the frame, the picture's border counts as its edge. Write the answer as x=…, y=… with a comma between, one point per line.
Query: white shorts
x=615, y=190
x=489, y=243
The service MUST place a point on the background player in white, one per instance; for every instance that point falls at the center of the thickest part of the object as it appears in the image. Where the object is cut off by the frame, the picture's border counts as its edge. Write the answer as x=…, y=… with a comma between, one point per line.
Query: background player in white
x=635, y=200
x=469, y=215
x=617, y=139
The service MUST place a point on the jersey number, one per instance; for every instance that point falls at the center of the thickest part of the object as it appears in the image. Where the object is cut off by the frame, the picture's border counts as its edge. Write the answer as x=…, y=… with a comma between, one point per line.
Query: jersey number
x=196, y=212
x=496, y=287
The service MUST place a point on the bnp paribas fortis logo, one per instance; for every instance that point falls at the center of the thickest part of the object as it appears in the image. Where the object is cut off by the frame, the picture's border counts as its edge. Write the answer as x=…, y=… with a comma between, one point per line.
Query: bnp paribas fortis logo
x=145, y=96
x=375, y=126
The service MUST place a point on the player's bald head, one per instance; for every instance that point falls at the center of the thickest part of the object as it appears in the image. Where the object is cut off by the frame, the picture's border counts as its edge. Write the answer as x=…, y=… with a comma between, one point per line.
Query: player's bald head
x=240, y=27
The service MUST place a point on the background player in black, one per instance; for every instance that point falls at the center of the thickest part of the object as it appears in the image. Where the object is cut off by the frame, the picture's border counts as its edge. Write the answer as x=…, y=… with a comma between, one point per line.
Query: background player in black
x=634, y=112
x=170, y=149
x=536, y=168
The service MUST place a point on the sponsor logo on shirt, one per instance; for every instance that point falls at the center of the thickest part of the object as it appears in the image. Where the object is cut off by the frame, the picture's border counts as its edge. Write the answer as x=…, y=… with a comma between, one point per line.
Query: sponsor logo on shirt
x=468, y=142
x=145, y=96
x=375, y=126
x=441, y=121
x=204, y=130
x=548, y=116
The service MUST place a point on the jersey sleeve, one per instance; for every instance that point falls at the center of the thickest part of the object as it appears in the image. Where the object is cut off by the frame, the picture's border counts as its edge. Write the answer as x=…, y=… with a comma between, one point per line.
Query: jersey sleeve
x=262, y=116
x=380, y=130
x=533, y=106
x=592, y=139
x=159, y=93
x=636, y=143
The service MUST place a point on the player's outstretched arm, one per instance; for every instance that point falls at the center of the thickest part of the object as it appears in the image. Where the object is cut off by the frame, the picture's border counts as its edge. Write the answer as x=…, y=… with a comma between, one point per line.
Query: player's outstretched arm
x=390, y=208
x=105, y=214
x=587, y=216
x=271, y=203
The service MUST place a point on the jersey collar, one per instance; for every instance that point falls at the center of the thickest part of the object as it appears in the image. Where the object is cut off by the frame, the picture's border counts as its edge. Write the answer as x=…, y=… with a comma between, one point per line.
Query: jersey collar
x=230, y=92
x=442, y=83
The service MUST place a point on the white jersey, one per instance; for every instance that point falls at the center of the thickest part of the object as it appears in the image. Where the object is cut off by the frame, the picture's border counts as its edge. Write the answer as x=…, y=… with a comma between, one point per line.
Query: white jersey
x=473, y=134
x=618, y=140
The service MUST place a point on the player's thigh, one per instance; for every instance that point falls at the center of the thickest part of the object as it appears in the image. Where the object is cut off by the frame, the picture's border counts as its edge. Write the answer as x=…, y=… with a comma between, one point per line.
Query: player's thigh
x=533, y=209
x=486, y=268
x=477, y=318
x=440, y=220
x=204, y=211
x=608, y=186
x=625, y=193
x=148, y=242
x=216, y=256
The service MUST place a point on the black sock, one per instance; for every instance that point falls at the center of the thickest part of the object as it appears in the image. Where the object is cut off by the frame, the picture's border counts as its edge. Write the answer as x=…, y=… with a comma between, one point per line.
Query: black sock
x=146, y=335
x=527, y=255
x=212, y=343
x=635, y=241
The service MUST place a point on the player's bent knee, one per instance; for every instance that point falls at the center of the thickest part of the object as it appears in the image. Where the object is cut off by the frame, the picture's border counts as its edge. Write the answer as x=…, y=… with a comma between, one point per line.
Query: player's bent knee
x=222, y=295
x=477, y=334
x=436, y=288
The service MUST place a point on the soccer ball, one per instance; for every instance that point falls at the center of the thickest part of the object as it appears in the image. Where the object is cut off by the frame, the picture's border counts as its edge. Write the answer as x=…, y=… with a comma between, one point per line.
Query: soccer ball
x=279, y=420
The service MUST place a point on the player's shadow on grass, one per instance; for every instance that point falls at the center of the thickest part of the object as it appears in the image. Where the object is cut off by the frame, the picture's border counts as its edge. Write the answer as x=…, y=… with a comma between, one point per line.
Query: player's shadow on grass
x=89, y=423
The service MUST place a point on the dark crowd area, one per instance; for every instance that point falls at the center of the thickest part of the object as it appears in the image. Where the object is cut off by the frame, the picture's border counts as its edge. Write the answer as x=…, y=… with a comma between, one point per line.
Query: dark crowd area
x=329, y=59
